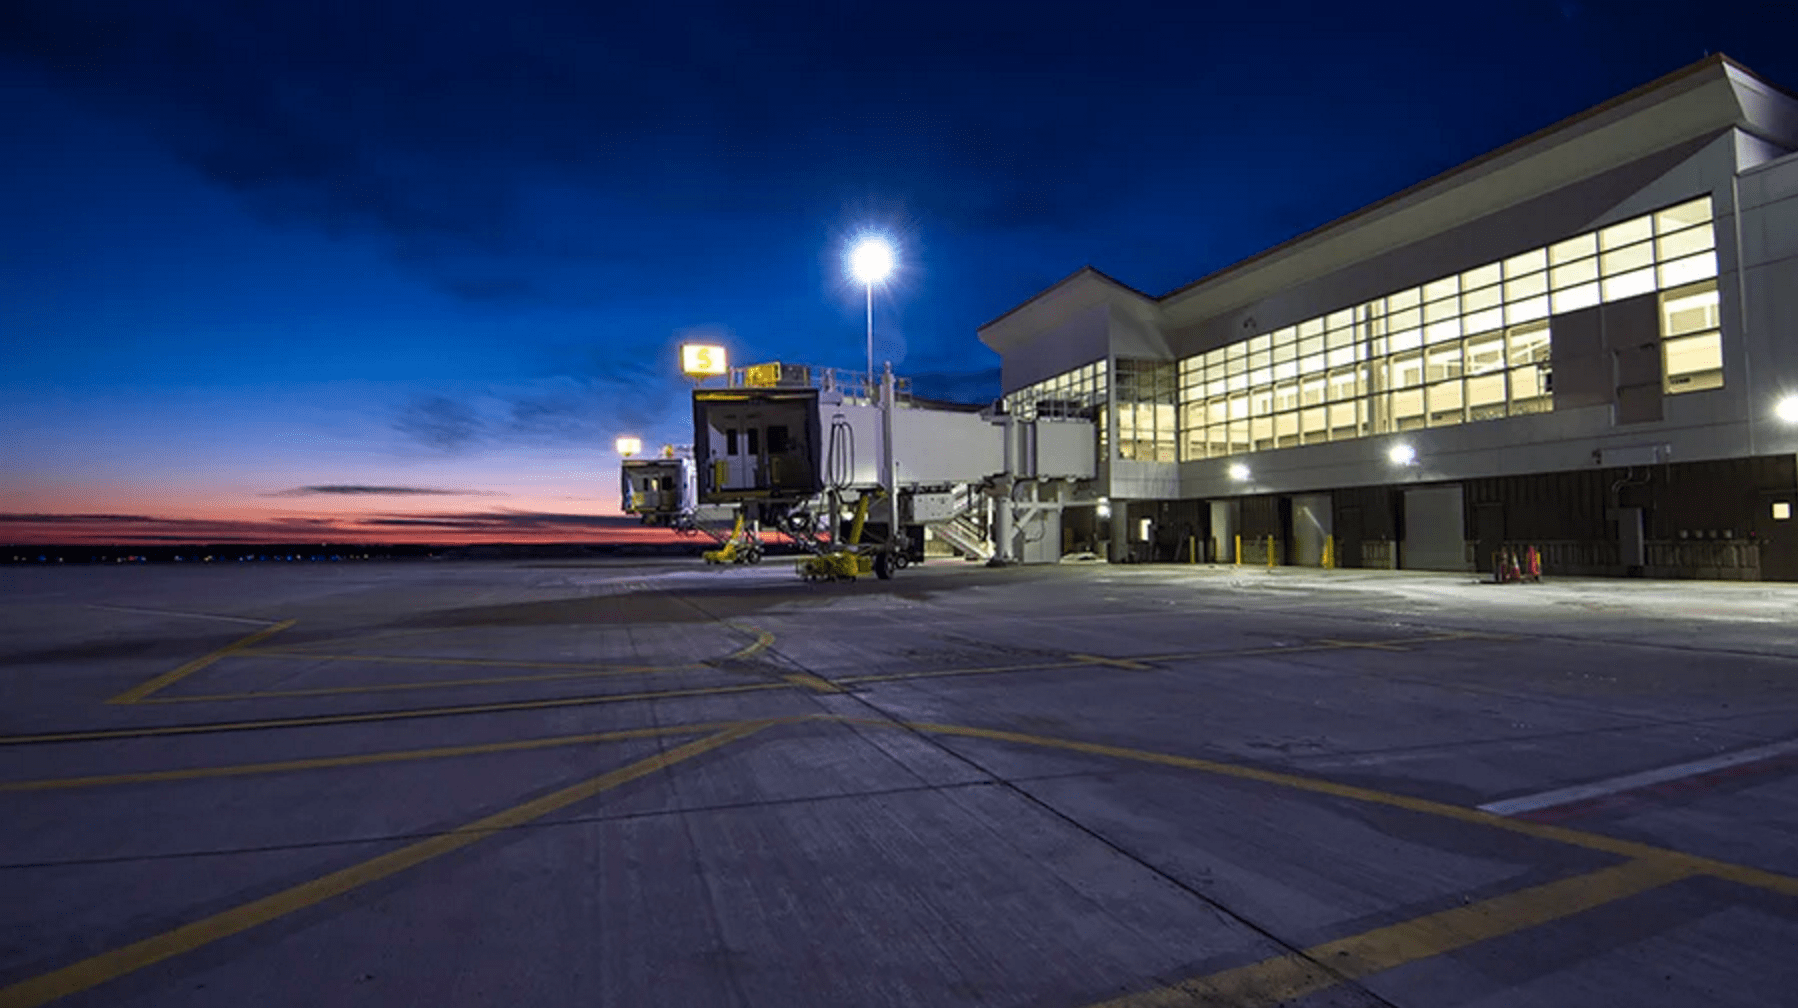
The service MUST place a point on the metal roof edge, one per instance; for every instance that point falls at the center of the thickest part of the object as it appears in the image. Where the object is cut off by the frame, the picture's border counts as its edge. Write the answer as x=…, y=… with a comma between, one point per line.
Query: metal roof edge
x=1715, y=60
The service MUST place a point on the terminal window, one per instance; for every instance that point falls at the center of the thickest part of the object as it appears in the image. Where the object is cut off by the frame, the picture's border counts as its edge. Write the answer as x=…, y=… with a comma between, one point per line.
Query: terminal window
x=1465, y=348
x=1691, y=343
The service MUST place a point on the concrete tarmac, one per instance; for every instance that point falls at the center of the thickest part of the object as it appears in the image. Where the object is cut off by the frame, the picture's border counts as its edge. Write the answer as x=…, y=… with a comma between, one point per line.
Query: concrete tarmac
x=614, y=783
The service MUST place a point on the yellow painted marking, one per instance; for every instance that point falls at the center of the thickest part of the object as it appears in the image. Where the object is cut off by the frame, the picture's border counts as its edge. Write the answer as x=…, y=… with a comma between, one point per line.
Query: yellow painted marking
x=812, y=682
x=390, y=687
x=144, y=689
x=1290, y=977
x=976, y=670
x=1142, y=661
x=179, y=612
x=763, y=640
x=1693, y=863
x=378, y=635
x=1123, y=663
x=484, y=662
x=98, y=969
x=1376, y=645
x=329, y=719
x=358, y=759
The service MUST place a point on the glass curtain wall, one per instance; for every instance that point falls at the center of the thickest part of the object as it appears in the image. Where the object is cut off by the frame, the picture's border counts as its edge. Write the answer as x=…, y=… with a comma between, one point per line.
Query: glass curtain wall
x=1146, y=394
x=1469, y=347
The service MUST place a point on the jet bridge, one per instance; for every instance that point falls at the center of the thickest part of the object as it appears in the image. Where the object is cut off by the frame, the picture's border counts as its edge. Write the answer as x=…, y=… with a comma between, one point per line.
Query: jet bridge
x=789, y=442
x=793, y=445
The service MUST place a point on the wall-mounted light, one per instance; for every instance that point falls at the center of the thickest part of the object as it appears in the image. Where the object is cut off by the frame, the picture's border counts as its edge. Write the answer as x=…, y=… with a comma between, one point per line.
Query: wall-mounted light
x=1239, y=472
x=1401, y=455
x=1104, y=508
x=1787, y=409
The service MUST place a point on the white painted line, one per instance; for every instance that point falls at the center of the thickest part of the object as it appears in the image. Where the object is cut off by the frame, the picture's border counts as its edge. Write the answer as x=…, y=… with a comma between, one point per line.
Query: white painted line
x=1630, y=782
x=193, y=615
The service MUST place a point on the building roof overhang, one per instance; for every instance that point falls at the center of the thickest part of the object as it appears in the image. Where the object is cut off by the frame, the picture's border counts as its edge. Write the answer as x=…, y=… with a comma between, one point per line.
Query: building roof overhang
x=1695, y=101
x=1080, y=290
x=1699, y=100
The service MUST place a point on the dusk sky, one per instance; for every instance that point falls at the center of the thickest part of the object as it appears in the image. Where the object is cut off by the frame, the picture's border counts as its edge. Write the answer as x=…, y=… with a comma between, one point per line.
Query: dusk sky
x=375, y=271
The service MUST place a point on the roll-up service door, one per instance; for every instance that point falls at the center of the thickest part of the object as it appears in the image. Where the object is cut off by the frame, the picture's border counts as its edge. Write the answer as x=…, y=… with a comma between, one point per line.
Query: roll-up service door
x=1435, y=536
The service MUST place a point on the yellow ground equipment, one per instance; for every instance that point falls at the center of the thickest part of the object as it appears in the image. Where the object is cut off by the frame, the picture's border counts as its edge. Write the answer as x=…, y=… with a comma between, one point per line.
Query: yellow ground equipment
x=742, y=547
x=850, y=562
x=840, y=565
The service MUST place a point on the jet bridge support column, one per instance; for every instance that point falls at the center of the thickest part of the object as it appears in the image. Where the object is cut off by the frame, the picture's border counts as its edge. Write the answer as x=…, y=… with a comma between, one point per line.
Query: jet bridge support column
x=1003, y=552
x=890, y=469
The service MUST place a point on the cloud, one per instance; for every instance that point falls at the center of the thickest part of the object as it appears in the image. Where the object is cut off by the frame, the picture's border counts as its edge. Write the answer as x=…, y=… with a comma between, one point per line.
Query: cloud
x=595, y=136
x=439, y=527
x=351, y=489
x=441, y=423
x=496, y=520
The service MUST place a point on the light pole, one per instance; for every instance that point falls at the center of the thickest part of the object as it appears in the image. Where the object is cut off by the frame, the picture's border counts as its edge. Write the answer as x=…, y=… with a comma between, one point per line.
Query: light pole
x=871, y=260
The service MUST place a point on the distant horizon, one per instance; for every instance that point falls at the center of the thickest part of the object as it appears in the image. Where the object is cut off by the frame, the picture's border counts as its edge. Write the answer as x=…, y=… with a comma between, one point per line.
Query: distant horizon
x=451, y=529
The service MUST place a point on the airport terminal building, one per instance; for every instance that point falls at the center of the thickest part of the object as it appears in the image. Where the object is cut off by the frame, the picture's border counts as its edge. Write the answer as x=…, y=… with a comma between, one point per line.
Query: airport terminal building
x=1582, y=341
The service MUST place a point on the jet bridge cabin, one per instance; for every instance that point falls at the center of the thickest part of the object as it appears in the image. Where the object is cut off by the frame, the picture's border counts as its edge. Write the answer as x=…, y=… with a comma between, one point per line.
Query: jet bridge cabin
x=757, y=443
x=660, y=490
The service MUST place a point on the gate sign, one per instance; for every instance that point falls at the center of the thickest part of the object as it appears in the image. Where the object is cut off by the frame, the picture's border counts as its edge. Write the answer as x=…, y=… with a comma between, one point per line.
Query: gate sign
x=697, y=360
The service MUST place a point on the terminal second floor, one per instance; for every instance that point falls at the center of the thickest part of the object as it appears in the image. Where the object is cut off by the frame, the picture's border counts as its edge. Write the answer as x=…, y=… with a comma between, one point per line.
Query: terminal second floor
x=1618, y=289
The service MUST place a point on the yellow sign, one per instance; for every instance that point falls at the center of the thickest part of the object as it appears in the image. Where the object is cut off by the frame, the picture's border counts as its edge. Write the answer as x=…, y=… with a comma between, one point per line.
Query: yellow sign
x=700, y=359
x=762, y=375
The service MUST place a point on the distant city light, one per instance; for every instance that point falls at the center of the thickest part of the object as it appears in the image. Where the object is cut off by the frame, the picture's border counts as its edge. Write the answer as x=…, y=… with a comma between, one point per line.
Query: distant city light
x=628, y=446
x=871, y=260
x=1401, y=455
x=1787, y=409
x=1239, y=472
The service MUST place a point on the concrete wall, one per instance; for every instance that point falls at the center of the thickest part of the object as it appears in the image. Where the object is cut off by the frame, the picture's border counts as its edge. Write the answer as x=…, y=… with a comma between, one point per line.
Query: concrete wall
x=1723, y=423
x=1767, y=304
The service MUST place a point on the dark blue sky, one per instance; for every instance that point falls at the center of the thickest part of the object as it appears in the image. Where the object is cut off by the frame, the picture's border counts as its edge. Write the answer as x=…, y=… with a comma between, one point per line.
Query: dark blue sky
x=252, y=249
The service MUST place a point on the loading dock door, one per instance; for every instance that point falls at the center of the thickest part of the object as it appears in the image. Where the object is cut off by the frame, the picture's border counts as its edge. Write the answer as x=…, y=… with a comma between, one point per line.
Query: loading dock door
x=1311, y=521
x=1435, y=534
x=1223, y=531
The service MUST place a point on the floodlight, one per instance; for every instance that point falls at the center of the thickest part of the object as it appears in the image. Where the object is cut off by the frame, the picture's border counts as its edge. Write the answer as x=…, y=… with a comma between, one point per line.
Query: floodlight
x=871, y=260
x=1401, y=455
x=1239, y=472
x=628, y=446
x=1787, y=409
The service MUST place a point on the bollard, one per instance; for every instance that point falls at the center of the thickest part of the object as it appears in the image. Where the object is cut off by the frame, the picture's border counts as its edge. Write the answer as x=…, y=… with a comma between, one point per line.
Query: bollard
x=1192, y=549
x=1329, y=559
x=1270, y=552
x=1239, y=551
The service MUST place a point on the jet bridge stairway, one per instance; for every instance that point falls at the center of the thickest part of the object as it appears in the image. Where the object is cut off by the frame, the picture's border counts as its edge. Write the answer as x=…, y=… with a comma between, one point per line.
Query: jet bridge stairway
x=964, y=530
